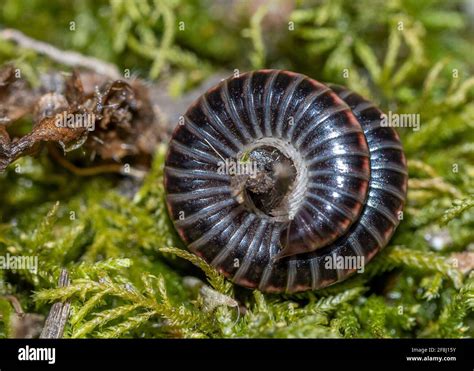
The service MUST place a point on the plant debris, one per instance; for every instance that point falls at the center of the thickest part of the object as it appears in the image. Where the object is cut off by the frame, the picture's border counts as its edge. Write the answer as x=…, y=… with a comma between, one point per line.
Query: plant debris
x=59, y=313
x=112, y=122
x=125, y=261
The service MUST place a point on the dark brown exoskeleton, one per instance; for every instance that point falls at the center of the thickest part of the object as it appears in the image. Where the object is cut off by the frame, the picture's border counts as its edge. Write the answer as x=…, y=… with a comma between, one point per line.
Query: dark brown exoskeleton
x=324, y=196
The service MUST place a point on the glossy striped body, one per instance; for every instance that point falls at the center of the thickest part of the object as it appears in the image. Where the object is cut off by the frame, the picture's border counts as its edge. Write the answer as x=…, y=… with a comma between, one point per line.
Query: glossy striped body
x=347, y=185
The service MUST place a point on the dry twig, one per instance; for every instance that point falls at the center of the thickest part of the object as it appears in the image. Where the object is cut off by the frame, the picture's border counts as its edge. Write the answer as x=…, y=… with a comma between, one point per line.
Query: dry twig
x=58, y=315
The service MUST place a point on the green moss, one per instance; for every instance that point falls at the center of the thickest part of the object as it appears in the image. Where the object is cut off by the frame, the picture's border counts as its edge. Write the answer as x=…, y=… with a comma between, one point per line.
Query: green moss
x=128, y=271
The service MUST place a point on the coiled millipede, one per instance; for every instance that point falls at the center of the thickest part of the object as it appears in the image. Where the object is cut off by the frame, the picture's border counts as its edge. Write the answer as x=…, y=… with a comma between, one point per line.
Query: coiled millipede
x=272, y=177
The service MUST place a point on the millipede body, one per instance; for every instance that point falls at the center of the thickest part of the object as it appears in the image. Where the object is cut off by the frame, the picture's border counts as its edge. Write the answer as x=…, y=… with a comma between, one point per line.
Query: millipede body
x=283, y=183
